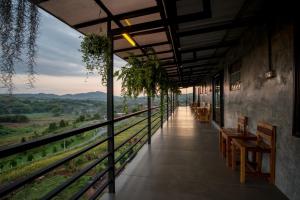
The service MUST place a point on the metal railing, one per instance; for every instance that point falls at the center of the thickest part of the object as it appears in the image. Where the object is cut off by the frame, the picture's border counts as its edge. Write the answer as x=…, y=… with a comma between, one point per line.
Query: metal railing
x=154, y=119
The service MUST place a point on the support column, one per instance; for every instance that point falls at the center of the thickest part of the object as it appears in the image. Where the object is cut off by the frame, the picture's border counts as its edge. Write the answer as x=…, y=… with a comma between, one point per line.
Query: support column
x=149, y=119
x=194, y=94
x=162, y=110
x=167, y=105
x=110, y=112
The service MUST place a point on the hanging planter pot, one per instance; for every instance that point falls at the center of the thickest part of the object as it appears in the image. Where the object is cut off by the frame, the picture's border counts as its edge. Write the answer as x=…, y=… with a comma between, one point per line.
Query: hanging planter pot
x=96, y=54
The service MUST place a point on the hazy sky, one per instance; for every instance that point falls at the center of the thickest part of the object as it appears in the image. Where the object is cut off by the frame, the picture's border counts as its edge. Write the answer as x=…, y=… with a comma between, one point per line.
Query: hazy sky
x=58, y=63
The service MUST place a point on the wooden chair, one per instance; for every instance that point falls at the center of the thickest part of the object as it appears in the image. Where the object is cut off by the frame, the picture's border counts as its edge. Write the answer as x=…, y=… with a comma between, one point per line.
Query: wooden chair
x=265, y=143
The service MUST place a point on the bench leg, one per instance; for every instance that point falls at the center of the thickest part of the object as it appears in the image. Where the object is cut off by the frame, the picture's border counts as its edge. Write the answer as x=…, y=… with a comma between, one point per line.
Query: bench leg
x=243, y=165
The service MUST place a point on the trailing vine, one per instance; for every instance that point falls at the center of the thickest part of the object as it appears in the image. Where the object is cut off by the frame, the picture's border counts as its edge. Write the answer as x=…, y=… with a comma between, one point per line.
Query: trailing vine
x=144, y=75
x=19, y=21
x=96, y=54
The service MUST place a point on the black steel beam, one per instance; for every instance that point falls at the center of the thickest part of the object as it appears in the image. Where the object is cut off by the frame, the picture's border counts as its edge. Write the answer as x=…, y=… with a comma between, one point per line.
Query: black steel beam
x=160, y=23
x=145, y=32
x=128, y=15
x=219, y=26
x=141, y=46
x=194, y=67
x=213, y=46
x=112, y=18
x=110, y=113
x=157, y=53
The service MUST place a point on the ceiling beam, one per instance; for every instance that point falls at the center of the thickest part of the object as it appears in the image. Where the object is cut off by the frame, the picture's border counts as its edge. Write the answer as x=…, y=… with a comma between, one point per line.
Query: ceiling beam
x=219, y=27
x=128, y=15
x=112, y=17
x=146, y=32
x=156, y=53
x=211, y=46
x=159, y=23
x=195, y=67
x=141, y=46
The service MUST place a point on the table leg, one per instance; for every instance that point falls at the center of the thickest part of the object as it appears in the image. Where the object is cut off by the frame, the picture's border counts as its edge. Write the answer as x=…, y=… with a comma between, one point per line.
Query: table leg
x=220, y=141
x=228, y=152
x=233, y=159
x=243, y=165
x=224, y=147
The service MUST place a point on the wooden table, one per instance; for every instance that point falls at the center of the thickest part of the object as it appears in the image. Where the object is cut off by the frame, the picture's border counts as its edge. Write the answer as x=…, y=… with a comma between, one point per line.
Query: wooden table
x=225, y=138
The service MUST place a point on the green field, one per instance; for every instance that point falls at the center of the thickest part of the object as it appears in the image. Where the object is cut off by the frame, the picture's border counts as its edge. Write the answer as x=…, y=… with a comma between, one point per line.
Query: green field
x=19, y=126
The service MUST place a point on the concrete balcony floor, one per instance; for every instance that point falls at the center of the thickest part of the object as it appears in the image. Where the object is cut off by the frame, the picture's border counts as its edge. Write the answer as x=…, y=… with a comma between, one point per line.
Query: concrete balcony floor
x=184, y=163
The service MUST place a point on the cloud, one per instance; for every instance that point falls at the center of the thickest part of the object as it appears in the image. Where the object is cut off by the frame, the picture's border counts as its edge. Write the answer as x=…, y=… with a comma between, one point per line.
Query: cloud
x=59, y=60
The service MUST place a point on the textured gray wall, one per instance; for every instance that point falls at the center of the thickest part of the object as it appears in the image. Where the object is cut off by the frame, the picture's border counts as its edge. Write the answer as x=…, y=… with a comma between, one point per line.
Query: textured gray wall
x=267, y=100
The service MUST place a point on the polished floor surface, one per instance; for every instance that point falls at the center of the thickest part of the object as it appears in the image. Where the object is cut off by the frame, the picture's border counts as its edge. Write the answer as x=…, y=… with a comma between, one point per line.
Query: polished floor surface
x=183, y=163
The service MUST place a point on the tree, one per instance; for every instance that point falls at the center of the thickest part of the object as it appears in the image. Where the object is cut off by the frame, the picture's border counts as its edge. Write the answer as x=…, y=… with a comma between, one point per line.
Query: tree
x=62, y=123
x=52, y=127
x=44, y=153
x=1, y=167
x=13, y=163
x=30, y=157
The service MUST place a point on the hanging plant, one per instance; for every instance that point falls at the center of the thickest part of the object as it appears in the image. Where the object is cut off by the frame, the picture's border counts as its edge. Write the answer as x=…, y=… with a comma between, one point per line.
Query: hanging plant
x=19, y=22
x=96, y=54
x=143, y=75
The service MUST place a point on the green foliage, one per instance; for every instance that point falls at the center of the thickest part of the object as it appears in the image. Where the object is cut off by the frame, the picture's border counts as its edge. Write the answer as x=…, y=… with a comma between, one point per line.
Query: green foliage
x=44, y=153
x=139, y=75
x=52, y=127
x=23, y=139
x=54, y=149
x=96, y=54
x=14, y=118
x=81, y=118
x=144, y=75
x=30, y=157
x=62, y=123
x=13, y=163
x=19, y=26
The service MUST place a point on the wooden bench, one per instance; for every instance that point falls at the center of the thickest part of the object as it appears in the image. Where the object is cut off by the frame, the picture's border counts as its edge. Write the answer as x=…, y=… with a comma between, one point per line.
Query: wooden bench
x=264, y=144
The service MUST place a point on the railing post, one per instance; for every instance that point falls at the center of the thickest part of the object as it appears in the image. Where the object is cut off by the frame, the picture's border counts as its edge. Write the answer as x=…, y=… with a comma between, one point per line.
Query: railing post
x=149, y=119
x=110, y=112
x=194, y=94
x=161, y=109
x=167, y=105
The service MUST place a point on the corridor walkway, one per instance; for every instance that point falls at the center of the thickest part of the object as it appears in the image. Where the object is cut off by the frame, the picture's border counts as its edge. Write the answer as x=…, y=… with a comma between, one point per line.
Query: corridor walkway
x=183, y=163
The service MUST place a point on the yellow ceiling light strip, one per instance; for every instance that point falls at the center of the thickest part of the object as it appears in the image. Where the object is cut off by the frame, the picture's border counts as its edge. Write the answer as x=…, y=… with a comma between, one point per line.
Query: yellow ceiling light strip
x=129, y=39
x=127, y=22
x=127, y=36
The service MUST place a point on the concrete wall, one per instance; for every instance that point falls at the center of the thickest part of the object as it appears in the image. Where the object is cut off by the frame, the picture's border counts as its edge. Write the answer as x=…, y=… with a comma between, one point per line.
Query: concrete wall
x=269, y=100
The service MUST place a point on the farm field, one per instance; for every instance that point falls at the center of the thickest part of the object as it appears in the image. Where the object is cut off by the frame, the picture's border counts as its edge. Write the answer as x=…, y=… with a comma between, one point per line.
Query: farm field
x=18, y=126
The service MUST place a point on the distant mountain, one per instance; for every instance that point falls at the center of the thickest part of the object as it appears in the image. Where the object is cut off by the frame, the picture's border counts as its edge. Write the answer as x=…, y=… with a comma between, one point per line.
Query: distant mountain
x=99, y=96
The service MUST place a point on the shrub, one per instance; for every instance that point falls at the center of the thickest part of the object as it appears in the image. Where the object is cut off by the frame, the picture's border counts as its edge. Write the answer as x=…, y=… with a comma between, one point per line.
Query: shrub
x=30, y=157
x=62, y=123
x=14, y=119
x=52, y=127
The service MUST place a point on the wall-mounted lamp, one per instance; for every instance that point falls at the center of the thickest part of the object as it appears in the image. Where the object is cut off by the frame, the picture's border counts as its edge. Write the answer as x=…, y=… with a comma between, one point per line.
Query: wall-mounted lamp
x=270, y=73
